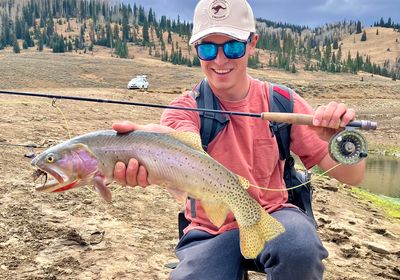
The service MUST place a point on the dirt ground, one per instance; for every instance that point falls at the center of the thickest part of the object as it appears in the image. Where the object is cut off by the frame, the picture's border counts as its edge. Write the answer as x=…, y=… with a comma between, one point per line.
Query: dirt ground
x=75, y=235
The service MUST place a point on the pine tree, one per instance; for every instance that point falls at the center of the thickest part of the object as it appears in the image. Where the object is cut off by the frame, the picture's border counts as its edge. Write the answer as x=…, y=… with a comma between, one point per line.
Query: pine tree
x=27, y=38
x=146, y=39
x=293, y=69
x=359, y=28
x=40, y=45
x=364, y=36
x=196, y=61
x=339, y=55
x=169, y=40
x=15, y=45
x=335, y=45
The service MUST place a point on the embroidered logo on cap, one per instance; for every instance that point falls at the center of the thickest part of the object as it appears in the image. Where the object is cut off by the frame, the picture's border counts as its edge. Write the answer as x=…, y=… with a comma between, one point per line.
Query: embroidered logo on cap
x=218, y=9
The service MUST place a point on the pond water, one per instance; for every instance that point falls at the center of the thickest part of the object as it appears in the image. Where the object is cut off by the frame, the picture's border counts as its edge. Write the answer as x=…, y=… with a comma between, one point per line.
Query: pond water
x=382, y=175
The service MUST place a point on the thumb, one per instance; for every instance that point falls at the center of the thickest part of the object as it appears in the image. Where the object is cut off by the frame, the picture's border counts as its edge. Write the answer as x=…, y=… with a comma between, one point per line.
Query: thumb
x=126, y=126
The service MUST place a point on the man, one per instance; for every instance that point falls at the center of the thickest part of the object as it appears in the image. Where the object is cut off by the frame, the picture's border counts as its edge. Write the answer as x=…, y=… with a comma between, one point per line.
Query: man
x=224, y=37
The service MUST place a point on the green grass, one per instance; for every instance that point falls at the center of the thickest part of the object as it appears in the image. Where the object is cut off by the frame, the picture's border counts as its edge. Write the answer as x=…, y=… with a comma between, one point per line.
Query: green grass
x=391, y=206
x=385, y=150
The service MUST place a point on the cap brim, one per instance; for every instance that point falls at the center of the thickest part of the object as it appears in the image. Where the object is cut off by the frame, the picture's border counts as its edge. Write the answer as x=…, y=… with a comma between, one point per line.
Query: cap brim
x=228, y=31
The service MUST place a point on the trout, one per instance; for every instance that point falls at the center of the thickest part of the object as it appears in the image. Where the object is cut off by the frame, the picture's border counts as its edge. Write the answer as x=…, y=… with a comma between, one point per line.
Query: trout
x=175, y=161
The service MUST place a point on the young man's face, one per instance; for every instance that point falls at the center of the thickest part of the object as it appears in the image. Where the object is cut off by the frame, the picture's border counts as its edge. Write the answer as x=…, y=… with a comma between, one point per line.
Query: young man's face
x=226, y=74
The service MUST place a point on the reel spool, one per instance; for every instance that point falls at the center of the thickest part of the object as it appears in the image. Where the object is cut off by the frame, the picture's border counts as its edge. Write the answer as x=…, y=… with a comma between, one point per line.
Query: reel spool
x=348, y=147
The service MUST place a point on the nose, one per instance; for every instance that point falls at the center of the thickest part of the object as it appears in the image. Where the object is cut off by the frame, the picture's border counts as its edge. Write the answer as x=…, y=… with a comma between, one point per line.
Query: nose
x=221, y=58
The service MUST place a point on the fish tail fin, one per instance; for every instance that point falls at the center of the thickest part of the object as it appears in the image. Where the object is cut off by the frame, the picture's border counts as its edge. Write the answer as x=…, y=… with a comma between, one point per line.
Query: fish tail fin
x=253, y=238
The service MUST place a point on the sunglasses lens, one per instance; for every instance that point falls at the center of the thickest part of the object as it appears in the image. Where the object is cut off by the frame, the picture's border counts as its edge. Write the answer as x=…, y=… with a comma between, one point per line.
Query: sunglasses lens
x=207, y=51
x=234, y=49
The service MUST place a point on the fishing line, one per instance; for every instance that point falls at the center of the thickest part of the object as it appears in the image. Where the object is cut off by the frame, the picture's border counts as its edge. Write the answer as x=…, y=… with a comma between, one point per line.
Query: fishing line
x=53, y=104
x=298, y=186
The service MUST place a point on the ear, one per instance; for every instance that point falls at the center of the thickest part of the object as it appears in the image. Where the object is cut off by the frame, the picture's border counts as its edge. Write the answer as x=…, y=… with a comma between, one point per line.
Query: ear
x=252, y=44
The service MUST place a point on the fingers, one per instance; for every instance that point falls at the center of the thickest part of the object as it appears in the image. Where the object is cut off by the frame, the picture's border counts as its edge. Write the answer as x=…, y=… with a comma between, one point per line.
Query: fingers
x=142, y=177
x=132, y=172
x=119, y=173
x=131, y=175
x=333, y=115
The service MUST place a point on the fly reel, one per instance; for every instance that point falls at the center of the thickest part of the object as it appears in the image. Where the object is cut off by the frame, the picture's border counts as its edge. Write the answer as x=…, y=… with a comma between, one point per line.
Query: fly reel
x=348, y=147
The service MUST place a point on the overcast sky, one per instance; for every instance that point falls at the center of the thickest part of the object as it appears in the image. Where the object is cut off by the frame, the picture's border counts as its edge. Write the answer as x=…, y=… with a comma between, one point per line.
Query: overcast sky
x=302, y=12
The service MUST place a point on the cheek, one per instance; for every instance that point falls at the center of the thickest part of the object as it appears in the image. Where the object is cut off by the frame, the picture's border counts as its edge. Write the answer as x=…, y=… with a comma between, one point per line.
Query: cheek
x=66, y=163
x=84, y=163
x=203, y=65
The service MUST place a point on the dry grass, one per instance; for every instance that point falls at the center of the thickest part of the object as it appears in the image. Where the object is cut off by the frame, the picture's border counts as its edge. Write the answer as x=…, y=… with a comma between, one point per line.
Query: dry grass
x=379, y=47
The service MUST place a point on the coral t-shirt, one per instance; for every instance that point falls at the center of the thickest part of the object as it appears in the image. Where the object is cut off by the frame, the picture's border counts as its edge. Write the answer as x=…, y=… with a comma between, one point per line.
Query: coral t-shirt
x=247, y=147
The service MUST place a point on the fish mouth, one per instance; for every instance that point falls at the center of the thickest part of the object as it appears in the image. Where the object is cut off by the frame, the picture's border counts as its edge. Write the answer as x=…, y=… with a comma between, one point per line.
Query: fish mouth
x=58, y=182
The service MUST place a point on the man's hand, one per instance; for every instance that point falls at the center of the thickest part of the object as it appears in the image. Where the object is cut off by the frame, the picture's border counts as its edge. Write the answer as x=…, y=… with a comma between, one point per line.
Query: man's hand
x=330, y=118
x=134, y=174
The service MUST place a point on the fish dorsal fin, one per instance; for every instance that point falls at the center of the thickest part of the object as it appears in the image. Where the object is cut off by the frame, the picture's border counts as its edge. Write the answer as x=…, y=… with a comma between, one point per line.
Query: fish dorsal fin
x=215, y=212
x=191, y=139
x=243, y=182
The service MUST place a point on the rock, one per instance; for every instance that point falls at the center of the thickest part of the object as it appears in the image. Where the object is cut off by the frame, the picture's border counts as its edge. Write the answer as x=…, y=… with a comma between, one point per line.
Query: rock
x=377, y=248
x=349, y=252
x=396, y=269
x=324, y=220
x=87, y=201
x=331, y=185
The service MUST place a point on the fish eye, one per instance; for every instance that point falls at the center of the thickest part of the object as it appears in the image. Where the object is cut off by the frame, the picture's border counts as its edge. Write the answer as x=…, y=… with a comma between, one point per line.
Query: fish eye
x=50, y=158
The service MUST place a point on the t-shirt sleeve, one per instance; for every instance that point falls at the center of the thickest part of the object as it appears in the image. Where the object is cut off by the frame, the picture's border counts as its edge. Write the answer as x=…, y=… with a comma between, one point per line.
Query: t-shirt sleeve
x=182, y=120
x=304, y=141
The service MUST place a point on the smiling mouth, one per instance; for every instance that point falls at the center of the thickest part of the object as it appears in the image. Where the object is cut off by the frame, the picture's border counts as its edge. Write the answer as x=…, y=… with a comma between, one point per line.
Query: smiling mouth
x=222, y=72
x=57, y=182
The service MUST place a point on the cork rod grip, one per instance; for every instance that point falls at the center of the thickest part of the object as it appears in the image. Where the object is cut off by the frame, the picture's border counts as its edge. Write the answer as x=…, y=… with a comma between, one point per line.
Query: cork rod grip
x=293, y=118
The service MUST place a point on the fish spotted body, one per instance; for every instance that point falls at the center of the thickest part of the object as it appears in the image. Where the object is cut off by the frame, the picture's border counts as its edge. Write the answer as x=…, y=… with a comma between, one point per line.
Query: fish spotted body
x=175, y=161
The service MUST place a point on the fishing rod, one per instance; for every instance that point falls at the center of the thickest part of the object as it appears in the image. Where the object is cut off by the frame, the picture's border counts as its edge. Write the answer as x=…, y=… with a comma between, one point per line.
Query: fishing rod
x=292, y=118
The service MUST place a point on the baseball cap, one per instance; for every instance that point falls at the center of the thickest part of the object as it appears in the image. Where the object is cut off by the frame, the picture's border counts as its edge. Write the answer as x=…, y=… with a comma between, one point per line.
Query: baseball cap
x=233, y=18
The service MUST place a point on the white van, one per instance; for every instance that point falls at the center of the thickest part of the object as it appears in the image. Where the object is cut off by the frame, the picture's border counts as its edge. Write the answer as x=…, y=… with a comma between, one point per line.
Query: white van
x=139, y=81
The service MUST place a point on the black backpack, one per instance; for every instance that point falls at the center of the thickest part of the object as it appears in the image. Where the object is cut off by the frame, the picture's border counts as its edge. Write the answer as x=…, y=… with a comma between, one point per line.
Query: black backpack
x=281, y=100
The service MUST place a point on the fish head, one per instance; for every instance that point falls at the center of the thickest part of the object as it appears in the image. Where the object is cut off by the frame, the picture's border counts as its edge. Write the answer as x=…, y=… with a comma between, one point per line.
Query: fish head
x=69, y=164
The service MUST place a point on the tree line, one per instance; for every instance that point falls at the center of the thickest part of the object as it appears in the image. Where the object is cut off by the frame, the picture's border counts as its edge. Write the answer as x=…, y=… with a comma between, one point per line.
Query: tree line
x=38, y=22
x=319, y=50
x=105, y=24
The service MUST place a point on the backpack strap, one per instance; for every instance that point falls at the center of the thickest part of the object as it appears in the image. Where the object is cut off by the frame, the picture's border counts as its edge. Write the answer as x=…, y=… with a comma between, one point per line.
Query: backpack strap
x=211, y=123
x=281, y=100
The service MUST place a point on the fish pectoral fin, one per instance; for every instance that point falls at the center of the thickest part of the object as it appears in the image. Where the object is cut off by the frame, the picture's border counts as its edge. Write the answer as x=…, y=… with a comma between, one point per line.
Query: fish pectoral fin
x=191, y=139
x=179, y=195
x=102, y=189
x=243, y=182
x=215, y=212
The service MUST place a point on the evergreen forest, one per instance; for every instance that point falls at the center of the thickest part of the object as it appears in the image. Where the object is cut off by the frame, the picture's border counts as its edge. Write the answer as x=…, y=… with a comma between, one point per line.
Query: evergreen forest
x=82, y=25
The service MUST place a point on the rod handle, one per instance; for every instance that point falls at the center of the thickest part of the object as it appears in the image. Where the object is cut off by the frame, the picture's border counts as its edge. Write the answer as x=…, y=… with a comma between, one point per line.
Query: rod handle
x=293, y=118
x=304, y=119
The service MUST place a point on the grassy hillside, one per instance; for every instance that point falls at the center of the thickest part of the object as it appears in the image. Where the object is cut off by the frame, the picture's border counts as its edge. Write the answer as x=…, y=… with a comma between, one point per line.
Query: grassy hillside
x=381, y=47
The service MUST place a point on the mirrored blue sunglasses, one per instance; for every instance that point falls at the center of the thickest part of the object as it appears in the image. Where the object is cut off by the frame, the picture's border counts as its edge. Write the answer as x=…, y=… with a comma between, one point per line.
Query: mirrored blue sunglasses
x=232, y=49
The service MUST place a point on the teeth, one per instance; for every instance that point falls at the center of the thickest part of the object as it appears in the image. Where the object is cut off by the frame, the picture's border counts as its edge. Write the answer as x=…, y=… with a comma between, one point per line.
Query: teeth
x=222, y=71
